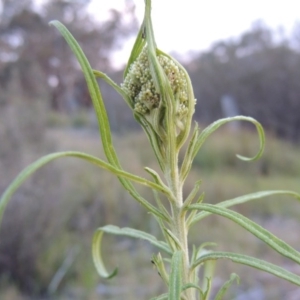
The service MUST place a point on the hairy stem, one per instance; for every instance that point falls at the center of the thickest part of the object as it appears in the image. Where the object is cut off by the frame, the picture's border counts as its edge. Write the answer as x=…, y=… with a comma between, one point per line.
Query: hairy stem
x=179, y=226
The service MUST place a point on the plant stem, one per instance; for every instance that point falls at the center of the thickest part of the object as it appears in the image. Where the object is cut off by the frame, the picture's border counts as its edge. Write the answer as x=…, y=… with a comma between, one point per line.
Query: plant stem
x=179, y=227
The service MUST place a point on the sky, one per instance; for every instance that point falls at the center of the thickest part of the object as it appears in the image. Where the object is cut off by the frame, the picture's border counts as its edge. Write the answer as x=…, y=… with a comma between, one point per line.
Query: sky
x=191, y=25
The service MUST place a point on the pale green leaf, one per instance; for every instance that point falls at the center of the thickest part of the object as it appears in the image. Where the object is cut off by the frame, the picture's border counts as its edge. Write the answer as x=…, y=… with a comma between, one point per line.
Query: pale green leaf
x=161, y=297
x=192, y=195
x=215, y=125
x=93, y=90
x=188, y=159
x=224, y=288
x=159, y=182
x=181, y=138
x=48, y=158
x=190, y=155
x=116, y=87
x=137, y=48
x=191, y=286
x=155, y=142
x=163, y=87
x=175, y=282
x=193, y=212
x=138, y=234
x=244, y=199
x=252, y=262
x=100, y=110
x=207, y=282
x=97, y=257
x=160, y=266
x=129, y=232
x=162, y=208
x=174, y=238
x=257, y=230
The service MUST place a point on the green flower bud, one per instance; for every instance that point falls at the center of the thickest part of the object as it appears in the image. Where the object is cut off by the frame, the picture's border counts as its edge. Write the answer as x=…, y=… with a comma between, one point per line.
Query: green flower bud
x=139, y=86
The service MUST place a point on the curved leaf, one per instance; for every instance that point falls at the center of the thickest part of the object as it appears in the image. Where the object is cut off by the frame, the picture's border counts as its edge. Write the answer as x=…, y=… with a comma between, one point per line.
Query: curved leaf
x=100, y=110
x=116, y=87
x=175, y=241
x=97, y=257
x=161, y=297
x=190, y=95
x=190, y=155
x=175, y=281
x=257, y=230
x=155, y=143
x=94, y=91
x=191, y=286
x=159, y=181
x=138, y=234
x=163, y=87
x=243, y=199
x=192, y=195
x=208, y=275
x=215, y=125
x=188, y=158
x=158, y=261
x=226, y=286
x=130, y=232
x=48, y=158
x=251, y=262
x=137, y=47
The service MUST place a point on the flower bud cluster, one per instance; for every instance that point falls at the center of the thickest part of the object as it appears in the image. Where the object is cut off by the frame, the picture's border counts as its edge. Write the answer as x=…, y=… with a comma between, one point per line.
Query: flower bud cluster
x=139, y=85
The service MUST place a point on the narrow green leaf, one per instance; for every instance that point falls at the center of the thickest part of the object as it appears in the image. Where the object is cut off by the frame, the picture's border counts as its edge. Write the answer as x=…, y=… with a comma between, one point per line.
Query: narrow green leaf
x=244, y=199
x=29, y=170
x=202, y=249
x=161, y=297
x=130, y=232
x=207, y=282
x=97, y=257
x=101, y=113
x=174, y=238
x=215, y=125
x=138, y=234
x=212, y=128
x=162, y=208
x=160, y=266
x=197, y=252
x=182, y=137
x=137, y=48
x=159, y=181
x=188, y=159
x=192, y=195
x=175, y=282
x=191, y=286
x=93, y=90
x=221, y=293
x=193, y=213
x=257, y=230
x=116, y=87
x=252, y=262
x=163, y=87
x=156, y=144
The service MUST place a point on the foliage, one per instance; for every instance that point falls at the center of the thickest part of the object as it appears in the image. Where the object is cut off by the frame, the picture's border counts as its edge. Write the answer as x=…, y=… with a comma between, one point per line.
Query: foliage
x=167, y=123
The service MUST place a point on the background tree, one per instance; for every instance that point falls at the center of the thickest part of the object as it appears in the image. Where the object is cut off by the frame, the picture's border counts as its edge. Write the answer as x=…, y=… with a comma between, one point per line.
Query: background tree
x=26, y=39
x=260, y=69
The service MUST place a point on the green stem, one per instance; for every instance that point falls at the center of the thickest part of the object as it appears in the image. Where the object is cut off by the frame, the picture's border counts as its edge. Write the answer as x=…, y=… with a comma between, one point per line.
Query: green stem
x=179, y=226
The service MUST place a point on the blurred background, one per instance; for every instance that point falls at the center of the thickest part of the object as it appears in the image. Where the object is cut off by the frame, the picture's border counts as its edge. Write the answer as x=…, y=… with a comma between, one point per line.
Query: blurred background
x=242, y=60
